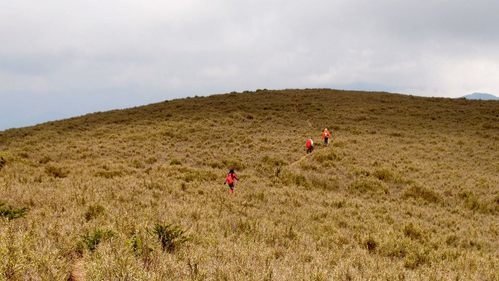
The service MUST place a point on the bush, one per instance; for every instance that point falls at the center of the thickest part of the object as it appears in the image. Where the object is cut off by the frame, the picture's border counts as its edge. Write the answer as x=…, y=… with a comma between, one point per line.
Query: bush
x=371, y=244
x=92, y=240
x=56, y=172
x=93, y=211
x=2, y=162
x=175, y=162
x=384, y=175
x=367, y=184
x=234, y=164
x=109, y=174
x=45, y=159
x=420, y=192
x=413, y=232
x=170, y=236
x=10, y=212
x=331, y=155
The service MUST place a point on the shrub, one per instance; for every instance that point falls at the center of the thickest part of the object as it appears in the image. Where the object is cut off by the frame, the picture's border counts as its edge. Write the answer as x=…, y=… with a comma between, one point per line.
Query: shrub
x=56, y=172
x=384, y=175
x=420, y=192
x=151, y=160
x=92, y=240
x=324, y=183
x=331, y=155
x=93, y=211
x=175, y=162
x=289, y=177
x=413, y=232
x=45, y=159
x=2, y=162
x=371, y=244
x=367, y=184
x=234, y=164
x=416, y=258
x=109, y=174
x=10, y=212
x=170, y=236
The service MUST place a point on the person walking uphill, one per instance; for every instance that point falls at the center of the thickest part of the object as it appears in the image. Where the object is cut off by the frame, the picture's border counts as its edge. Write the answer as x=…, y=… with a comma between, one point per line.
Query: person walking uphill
x=326, y=135
x=231, y=180
x=309, y=145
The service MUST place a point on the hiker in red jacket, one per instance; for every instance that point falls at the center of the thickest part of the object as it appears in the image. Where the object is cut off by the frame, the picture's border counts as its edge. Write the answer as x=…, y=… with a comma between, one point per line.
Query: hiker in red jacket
x=309, y=145
x=231, y=180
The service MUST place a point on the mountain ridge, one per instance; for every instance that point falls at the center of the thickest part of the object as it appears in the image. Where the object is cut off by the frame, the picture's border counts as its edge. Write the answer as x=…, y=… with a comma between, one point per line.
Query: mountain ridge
x=480, y=96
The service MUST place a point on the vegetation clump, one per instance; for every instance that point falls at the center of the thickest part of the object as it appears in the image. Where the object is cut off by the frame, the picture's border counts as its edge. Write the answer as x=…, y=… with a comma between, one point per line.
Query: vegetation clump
x=170, y=236
x=92, y=239
x=419, y=192
x=10, y=212
x=2, y=162
x=57, y=172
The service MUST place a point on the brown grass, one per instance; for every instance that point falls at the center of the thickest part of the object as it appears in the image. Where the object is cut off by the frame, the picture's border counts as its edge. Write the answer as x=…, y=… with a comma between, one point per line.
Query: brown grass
x=407, y=190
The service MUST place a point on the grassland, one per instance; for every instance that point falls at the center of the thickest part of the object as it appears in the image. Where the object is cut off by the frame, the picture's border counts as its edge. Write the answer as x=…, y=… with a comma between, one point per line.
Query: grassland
x=407, y=190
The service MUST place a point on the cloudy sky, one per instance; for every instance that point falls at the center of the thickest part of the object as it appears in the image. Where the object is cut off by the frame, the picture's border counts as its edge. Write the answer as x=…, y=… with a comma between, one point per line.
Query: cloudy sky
x=62, y=58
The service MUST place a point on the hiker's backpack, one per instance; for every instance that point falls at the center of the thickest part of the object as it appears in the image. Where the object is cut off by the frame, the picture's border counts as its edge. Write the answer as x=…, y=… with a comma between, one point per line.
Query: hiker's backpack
x=229, y=179
x=309, y=143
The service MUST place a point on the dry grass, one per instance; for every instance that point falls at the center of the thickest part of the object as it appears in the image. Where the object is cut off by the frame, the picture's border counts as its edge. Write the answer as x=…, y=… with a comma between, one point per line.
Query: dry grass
x=407, y=190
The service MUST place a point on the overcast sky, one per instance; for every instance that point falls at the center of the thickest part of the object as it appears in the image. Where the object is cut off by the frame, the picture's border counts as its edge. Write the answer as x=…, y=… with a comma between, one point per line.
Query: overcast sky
x=61, y=58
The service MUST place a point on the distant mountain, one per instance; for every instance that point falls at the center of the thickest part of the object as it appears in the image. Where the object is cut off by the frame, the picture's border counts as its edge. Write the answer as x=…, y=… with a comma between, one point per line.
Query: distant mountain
x=481, y=96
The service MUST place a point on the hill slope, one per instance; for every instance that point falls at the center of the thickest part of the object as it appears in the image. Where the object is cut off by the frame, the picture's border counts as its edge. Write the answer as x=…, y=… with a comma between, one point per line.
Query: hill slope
x=407, y=190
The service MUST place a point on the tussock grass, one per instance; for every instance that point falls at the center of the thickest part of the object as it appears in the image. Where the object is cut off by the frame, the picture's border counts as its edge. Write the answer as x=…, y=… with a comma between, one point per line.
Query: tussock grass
x=406, y=190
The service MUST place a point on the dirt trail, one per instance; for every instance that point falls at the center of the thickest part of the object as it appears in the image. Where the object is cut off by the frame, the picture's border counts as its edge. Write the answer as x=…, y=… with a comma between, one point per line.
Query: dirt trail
x=77, y=271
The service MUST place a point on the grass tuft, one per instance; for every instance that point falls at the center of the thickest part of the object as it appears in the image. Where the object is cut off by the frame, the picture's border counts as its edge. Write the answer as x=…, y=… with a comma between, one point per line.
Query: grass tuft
x=10, y=212
x=169, y=236
x=419, y=192
x=56, y=172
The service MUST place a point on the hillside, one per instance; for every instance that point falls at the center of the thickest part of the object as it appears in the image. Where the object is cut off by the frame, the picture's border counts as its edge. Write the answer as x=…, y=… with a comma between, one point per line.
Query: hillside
x=407, y=190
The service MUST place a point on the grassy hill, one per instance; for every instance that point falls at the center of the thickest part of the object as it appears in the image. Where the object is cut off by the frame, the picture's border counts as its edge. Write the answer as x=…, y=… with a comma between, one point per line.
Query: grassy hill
x=407, y=190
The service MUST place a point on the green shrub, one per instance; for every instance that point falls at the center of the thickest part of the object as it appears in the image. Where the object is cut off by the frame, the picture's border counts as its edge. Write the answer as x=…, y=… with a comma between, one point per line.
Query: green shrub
x=170, y=236
x=92, y=240
x=10, y=212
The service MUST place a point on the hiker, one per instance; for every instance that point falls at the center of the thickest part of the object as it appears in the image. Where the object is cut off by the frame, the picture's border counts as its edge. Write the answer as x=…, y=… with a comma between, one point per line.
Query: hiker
x=231, y=180
x=309, y=145
x=326, y=135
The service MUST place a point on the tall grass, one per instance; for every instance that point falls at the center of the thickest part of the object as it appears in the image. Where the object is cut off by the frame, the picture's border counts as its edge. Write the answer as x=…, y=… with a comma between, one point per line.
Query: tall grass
x=406, y=190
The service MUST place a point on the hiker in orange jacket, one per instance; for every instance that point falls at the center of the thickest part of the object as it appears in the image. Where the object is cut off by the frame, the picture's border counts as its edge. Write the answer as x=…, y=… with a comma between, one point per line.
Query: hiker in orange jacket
x=309, y=145
x=326, y=135
x=231, y=180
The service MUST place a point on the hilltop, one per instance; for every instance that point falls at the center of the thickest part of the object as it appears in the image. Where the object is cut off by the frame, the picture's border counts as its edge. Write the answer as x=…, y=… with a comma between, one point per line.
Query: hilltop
x=407, y=190
x=481, y=96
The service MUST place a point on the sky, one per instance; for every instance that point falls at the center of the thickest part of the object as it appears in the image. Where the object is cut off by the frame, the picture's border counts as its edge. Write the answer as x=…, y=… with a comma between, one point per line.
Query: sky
x=62, y=58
